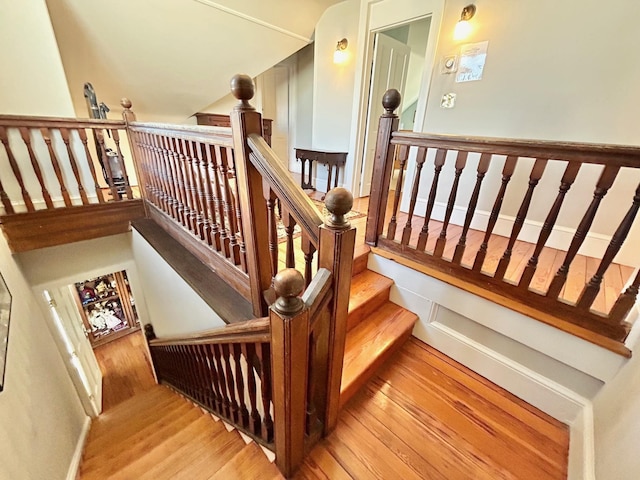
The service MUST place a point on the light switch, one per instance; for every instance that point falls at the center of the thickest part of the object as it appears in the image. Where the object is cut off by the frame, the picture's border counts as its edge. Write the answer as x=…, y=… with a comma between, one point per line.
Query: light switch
x=448, y=100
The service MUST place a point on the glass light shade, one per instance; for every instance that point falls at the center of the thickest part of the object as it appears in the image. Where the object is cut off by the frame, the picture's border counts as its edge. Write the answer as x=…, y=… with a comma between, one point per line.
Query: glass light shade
x=462, y=30
x=340, y=56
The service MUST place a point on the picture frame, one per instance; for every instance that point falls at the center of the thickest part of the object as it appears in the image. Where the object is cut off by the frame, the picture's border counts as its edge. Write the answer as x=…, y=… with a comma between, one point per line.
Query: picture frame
x=5, y=317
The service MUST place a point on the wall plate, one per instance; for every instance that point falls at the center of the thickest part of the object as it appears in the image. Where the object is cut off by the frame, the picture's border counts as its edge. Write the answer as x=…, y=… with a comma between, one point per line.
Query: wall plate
x=449, y=64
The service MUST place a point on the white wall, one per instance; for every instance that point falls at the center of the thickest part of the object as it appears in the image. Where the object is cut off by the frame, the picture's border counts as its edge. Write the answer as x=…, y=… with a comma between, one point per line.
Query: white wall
x=33, y=81
x=334, y=84
x=616, y=412
x=174, y=308
x=41, y=417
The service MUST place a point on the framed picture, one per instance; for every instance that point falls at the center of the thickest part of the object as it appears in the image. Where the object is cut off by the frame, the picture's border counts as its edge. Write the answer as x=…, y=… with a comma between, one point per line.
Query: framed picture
x=5, y=313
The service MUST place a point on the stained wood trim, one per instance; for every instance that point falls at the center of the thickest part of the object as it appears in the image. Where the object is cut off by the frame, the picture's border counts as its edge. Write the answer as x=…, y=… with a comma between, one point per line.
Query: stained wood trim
x=199, y=133
x=295, y=201
x=252, y=331
x=231, y=274
x=602, y=154
x=47, y=228
x=14, y=121
x=576, y=323
x=318, y=290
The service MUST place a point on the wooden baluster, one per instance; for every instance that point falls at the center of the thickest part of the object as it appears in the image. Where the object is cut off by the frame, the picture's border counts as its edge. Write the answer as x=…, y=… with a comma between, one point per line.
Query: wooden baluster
x=289, y=226
x=507, y=173
x=222, y=202
x=203, y=380
x=196, y=190
x=569, y=176
x=483, y=166
x=6, y=201
x=403, y=154
x=164, y=178
x=383, y=167
x=239, y=229
x=64, y=132
x=185, y=166
x=249, y=352
x=243, y=412
x=337, y=242
x=107, y=166
x=148, y=166
x=116, y=138
x=226, y=403
x=200, y=173
x=213, y=236
x=308, y=249
x=273, y=230
x=592, y=288
x=172, y=163
x=461, y=162
x=208, y=376
x=26, y=138
x=603, y=185
x=188, y=372
x=534, y=178
x=83, y=138
x=46, y=135
x=441, y=156
x=264, y=356
x=229, y=205
x=289, y=340
x=626, y=300
x=16, y=171
x=215, y=380
x=406, y=232
x=231, y=381
x=244, y=122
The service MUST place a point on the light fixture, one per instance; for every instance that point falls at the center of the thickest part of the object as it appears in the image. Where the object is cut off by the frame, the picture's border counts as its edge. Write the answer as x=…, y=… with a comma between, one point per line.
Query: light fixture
x=463, y=27
x=341, y=55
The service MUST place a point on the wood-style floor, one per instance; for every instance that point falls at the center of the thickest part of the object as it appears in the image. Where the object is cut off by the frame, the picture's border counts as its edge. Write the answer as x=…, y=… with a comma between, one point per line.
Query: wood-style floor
x=423, y=416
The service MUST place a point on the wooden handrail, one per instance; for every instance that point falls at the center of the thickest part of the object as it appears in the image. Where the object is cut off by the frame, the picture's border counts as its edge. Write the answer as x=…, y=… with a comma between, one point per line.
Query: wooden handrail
x=251, y=331
x=198, y=133
x=290, y=194
x=488, y=263
x=596, y=153
x=57, y=122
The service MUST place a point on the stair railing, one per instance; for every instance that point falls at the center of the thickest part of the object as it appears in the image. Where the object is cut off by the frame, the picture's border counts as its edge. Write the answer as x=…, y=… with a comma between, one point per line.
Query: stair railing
x=416, y=224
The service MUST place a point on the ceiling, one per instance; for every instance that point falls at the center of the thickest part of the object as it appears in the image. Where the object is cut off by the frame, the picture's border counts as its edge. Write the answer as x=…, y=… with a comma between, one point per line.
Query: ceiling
x=173, y=57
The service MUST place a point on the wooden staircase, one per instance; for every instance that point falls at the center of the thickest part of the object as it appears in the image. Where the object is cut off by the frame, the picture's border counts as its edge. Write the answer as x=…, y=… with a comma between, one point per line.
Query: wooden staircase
x=376, y=327
x=136, y=443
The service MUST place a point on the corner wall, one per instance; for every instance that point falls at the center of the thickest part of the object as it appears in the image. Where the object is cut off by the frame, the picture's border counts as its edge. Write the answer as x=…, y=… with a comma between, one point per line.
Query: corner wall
x=41, y=417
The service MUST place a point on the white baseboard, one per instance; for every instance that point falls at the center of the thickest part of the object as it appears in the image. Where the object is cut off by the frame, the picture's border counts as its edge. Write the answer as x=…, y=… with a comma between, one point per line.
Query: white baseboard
x=582, y=446
x=594, y=244
x=72, y=473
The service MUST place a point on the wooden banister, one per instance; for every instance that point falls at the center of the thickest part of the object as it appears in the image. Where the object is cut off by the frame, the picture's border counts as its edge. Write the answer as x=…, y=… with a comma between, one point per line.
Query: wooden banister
x=250, y=331
x=489, y=264
x=292, y=197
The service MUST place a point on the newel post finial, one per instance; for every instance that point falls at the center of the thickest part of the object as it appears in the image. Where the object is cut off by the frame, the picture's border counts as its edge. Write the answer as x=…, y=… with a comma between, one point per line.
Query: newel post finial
x=148, y=332
x=243, y=89
x=127, y=113
x=390, y=101
x=288, y=284
x=339, y=202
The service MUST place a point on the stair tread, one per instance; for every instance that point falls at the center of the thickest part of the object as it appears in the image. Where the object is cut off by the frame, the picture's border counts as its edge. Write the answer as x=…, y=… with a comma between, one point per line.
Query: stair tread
x=371, y=342
x=364, y=286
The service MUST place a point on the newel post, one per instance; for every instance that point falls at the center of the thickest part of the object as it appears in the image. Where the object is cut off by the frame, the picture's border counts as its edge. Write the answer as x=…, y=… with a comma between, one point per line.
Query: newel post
x=289, y=367
x=150, y=334
x=245, y=121
x=136, y=156
x=383, y=167
x=337, y=243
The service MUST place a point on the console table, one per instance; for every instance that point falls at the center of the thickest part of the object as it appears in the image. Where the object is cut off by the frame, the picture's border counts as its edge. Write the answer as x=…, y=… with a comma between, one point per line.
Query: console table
x=330, y=159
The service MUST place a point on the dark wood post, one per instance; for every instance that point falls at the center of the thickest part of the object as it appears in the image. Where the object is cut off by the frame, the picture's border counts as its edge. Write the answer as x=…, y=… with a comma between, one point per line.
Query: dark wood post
x=244, y=121
x=149, y=335
x=136, y=156
x=383, y=166
x=337, y=242
x=289, y=367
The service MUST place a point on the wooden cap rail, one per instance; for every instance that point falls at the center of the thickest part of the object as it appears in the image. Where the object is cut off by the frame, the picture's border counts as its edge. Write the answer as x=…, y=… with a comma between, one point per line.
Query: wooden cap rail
x=487, y=261
x=250, y=331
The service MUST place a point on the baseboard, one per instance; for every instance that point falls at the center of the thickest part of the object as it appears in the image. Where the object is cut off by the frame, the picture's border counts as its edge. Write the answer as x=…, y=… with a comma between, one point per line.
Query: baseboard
x=582, y=446
x=74, y=466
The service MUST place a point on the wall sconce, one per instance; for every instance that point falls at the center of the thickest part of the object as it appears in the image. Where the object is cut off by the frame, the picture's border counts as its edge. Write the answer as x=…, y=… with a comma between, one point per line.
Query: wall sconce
x=341, y=55
x=463, y=27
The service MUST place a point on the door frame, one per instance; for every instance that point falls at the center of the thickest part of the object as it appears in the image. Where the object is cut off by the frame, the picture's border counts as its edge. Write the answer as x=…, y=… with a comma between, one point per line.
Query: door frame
x=376, y=16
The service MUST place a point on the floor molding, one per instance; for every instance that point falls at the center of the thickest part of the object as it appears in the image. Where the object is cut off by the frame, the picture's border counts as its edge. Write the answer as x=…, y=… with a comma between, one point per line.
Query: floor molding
x=74, y=466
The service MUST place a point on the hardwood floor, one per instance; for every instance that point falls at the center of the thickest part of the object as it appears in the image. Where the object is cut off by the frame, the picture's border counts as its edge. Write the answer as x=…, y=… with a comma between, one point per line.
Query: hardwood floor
x=126, y=370
x=423, y=416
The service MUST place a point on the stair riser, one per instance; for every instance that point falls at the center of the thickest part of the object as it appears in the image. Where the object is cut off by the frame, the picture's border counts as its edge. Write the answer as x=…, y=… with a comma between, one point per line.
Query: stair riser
x=357, y=315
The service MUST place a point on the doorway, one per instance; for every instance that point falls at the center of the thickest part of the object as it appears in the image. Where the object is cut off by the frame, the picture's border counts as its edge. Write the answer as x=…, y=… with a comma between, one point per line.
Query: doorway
x=398, y=61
